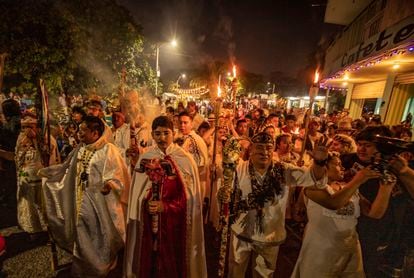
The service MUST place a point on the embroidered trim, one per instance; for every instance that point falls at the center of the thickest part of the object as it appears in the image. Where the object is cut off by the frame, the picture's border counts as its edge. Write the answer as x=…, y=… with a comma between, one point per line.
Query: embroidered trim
x=193, y=149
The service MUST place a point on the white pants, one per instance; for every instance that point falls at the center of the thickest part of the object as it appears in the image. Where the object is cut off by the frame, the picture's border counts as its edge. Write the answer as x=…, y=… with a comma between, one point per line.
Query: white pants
x=263, y=259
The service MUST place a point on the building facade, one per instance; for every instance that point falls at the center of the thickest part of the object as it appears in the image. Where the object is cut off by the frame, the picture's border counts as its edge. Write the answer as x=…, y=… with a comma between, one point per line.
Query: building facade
x=373, y=57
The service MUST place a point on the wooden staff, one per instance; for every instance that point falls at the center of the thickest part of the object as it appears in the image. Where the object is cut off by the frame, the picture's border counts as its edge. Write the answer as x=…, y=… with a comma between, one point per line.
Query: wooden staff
x=231, y=153
x=2, y=60
x=46, y=152
x=213, y=173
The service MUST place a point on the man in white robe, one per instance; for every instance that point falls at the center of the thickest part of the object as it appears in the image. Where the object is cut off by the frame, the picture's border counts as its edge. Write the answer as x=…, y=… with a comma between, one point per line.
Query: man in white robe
x=122, y=133
x=197, y=147
x=261, y=191
x=140, y=206
x=85, y=199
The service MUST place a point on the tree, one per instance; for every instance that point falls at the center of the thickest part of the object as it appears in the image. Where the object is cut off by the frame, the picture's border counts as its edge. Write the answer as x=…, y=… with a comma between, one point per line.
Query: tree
x=74, y=45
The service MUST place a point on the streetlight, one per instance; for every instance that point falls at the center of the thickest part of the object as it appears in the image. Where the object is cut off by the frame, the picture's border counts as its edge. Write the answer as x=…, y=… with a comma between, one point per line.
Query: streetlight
x=172, y=43
x=183, y=76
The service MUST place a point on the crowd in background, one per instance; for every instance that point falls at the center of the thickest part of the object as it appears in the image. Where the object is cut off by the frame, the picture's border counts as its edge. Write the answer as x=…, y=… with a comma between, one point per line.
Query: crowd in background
x=380, y=217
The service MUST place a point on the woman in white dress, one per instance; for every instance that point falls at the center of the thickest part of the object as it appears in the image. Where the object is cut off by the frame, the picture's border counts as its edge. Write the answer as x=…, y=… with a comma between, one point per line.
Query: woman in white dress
x=330, y=245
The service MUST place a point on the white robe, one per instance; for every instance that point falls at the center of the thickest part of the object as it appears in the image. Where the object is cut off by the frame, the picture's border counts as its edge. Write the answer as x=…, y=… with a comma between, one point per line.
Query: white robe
x=96, y=233
x=122, y=139
x=139, y=190
x=330, y=246
x=197, y=147
x=274, y=213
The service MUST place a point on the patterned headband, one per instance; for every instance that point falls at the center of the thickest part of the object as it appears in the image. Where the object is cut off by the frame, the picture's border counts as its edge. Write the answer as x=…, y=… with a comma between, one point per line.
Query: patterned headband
x=262, y=138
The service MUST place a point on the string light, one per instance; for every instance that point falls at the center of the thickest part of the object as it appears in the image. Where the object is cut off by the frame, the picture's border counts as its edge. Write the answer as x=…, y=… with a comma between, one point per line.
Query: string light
x=372, y=62
x=194, y=92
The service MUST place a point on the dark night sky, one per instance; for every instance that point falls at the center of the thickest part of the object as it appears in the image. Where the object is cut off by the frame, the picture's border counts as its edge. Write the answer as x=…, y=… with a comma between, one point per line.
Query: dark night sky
x=262, y=35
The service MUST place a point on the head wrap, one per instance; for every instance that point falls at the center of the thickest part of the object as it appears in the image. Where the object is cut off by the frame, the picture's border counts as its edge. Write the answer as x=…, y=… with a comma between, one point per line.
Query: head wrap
x=262, y=138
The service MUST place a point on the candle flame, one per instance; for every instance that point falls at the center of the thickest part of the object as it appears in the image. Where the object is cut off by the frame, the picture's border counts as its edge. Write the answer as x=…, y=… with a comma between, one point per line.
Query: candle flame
x=316, y=79
x=234, y=71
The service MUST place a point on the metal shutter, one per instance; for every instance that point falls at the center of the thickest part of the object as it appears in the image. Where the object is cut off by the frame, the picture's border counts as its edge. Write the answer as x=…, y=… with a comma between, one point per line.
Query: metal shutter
x=368, y=90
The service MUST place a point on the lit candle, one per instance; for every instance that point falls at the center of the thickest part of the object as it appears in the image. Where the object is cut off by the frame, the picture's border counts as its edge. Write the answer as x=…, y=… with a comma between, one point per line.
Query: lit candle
x=234, y=71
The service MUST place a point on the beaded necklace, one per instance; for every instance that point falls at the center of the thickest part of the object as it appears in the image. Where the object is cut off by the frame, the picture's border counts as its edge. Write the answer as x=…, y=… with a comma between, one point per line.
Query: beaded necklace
x=85, y=159
x=265, y=191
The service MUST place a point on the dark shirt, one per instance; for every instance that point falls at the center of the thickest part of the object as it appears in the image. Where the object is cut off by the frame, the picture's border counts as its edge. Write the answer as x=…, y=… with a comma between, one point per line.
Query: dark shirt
x=9, y=132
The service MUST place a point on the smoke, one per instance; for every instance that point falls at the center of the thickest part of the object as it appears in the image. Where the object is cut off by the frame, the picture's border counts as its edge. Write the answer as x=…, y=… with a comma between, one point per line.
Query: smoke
x=224, y=33
x=140, y=106
x=91, y=44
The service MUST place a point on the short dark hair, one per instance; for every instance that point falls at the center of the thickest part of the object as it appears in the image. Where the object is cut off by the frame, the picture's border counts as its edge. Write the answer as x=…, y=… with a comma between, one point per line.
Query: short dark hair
x=280, y=137
x=240, y=122
x=79, y=110
x=170, y=109
x=204, y=125
x=271, y=116
x=162, y=121
x=261, y=112
x=370, y=132
x=10, y=108
x=185, y=114
x=95, y=124
x=291, y=117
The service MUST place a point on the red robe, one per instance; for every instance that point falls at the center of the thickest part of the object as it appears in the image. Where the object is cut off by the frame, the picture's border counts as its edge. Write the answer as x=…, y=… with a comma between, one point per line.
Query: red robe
x=169, y=260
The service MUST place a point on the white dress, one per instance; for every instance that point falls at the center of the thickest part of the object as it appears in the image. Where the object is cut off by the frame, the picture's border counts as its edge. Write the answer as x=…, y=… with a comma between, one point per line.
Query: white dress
x=330, y=246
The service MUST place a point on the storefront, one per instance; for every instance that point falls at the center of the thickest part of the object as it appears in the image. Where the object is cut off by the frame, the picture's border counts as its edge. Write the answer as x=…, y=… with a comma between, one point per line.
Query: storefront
x=301, y=102
x=378, y=70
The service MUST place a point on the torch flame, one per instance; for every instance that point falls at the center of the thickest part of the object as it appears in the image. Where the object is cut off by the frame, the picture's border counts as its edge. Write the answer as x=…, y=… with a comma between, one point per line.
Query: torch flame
x=218, y=87
x=234, y=71
x=316, y=79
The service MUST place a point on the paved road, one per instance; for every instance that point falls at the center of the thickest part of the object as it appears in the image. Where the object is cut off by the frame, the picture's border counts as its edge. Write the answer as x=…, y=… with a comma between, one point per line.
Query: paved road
x=31, y=258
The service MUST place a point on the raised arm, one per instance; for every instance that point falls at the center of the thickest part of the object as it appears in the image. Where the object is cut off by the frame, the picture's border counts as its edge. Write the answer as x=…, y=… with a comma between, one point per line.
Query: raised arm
x=341, y=197
x=378, y=208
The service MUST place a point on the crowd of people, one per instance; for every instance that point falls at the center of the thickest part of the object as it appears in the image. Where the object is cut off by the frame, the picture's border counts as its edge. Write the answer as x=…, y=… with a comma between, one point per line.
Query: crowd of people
x=102, y=185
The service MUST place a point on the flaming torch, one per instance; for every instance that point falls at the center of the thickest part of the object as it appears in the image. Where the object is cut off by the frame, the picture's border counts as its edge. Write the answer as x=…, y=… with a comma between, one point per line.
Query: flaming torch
x=313, y=92
x=234, y=87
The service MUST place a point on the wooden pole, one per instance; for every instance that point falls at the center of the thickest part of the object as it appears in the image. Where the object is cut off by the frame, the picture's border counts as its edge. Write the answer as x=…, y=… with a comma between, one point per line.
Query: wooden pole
x=2, y=62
